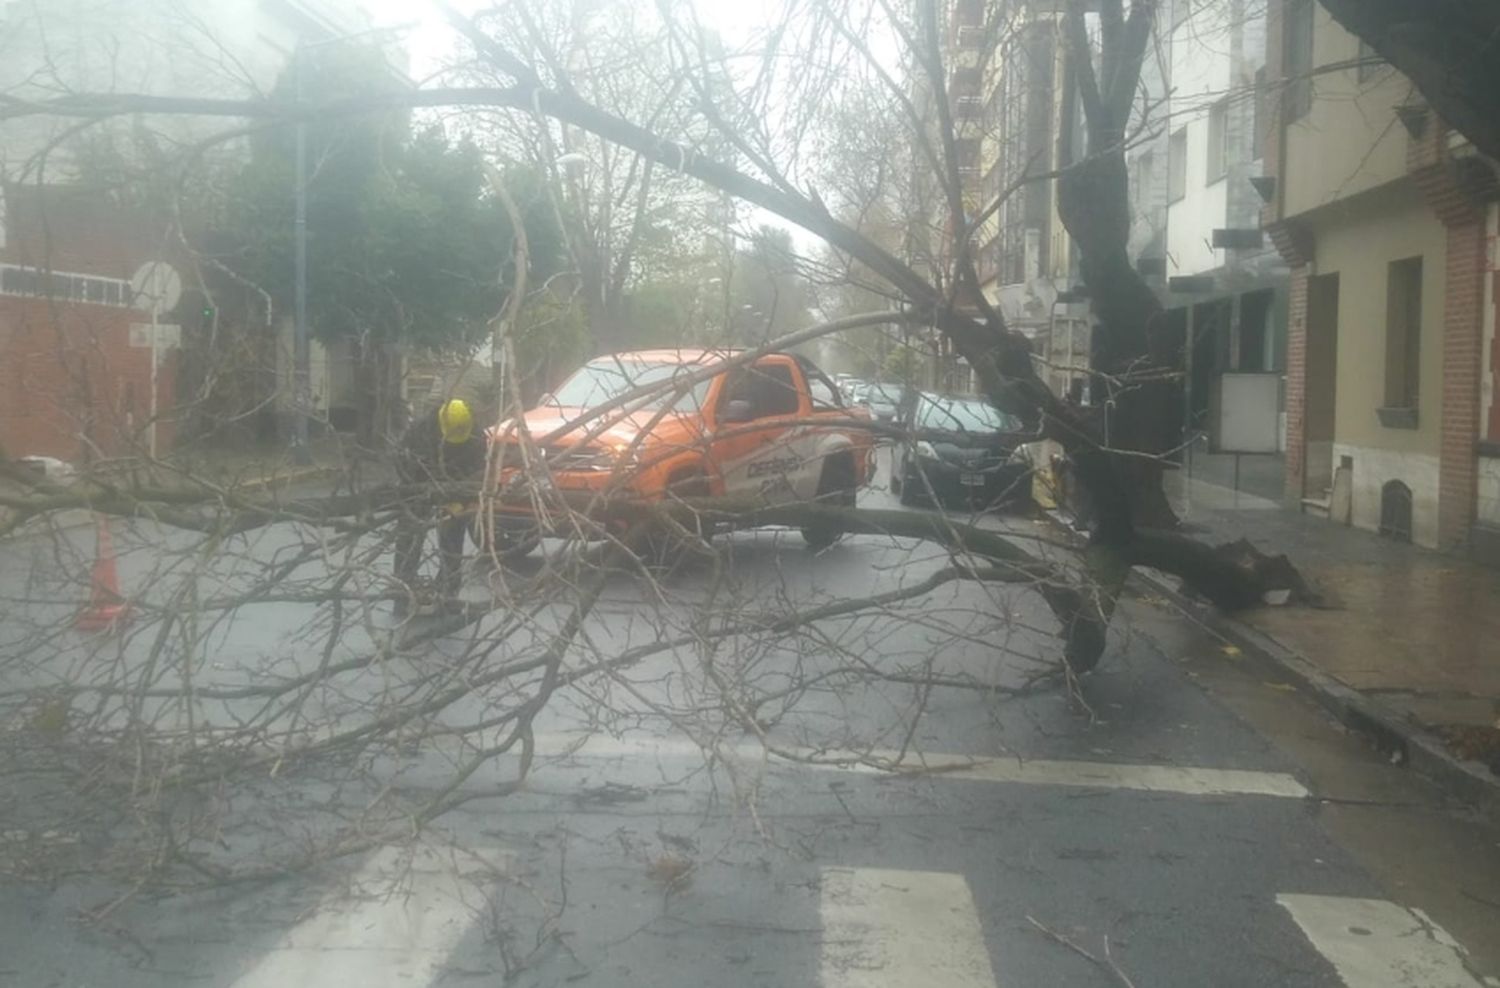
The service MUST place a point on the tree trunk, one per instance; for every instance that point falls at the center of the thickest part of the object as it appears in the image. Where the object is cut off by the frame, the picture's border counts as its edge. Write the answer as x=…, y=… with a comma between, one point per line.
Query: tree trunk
x=1129, y=341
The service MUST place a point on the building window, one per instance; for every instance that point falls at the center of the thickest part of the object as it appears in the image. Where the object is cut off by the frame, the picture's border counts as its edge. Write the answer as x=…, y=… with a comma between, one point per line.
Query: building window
x=1371, y=65
x=1218, y=135
x=1145, y=167
x=1403, y=332
x=1177, y=165
x=1297, y=44
x=1261, y=118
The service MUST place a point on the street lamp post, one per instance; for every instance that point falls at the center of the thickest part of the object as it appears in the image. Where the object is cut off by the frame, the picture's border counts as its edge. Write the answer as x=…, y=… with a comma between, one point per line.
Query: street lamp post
x=301, y=349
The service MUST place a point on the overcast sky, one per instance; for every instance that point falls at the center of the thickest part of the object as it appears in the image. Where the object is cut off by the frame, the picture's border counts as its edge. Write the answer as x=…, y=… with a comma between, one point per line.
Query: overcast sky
x=428, y=40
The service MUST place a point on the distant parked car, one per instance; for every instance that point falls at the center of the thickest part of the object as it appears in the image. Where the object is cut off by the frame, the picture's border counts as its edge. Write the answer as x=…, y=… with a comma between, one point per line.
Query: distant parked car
x=48, y=467
x=853, y=390
x=884, y=401
x=960, y=452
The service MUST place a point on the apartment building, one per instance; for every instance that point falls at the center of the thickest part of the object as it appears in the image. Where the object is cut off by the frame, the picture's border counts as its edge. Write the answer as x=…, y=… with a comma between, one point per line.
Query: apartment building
x=1010, y=85
x=1387, y=219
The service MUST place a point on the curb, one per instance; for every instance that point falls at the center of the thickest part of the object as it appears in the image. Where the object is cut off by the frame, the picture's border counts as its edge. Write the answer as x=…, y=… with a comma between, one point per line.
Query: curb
x=1407, y=744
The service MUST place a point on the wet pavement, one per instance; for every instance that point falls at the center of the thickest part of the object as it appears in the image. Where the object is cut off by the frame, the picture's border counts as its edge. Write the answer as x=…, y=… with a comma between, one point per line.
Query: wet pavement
x=1416, y=628
x=1201, y=824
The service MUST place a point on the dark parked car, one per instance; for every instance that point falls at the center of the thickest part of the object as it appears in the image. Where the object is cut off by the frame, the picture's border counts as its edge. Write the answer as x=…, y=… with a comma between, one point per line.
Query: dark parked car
x=960, y=450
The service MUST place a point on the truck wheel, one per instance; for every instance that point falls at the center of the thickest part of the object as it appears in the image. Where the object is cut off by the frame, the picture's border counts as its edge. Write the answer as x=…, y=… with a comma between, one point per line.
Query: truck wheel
x=835, y=487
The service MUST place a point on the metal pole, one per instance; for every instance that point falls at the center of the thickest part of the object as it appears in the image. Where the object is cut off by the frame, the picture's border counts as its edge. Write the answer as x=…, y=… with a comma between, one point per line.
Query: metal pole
x=301, y=351
x=155, y=354
x=1072, y=324
x=1187, y=389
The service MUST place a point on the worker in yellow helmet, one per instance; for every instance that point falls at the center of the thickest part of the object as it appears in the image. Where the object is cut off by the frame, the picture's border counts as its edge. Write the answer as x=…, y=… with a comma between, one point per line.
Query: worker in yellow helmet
x=440, y=451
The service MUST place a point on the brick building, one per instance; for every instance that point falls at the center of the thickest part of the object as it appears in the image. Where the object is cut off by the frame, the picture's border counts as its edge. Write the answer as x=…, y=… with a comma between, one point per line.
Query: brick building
x=71, y=384
x=1388, y=220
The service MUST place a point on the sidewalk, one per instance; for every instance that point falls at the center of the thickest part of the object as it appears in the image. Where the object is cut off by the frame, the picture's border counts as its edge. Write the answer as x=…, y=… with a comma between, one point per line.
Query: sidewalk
x=1410, y=639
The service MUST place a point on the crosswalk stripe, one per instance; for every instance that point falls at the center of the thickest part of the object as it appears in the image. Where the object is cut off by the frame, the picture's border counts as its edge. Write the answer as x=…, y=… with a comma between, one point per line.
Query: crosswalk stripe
x=884, y=928
x=1373, y=943
x=1182, y=780
x=406, y=913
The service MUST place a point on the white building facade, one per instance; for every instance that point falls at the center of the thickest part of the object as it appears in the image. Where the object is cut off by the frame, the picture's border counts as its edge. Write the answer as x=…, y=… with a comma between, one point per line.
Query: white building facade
x=1196, y=232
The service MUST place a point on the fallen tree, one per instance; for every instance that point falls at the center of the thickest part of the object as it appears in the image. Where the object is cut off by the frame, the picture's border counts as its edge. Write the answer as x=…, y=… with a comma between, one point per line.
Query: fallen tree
x=150, y=726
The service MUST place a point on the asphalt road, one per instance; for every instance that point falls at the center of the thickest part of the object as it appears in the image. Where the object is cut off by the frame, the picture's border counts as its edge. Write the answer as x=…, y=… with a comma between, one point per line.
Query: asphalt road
x=1199, y=824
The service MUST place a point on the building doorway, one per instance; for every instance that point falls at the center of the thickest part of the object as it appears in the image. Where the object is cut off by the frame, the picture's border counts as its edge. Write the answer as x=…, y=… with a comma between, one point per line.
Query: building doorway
x=1320, y=384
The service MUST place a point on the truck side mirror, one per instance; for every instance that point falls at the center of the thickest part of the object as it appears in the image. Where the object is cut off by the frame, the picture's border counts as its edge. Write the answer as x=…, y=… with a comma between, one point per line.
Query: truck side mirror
x=737, y=410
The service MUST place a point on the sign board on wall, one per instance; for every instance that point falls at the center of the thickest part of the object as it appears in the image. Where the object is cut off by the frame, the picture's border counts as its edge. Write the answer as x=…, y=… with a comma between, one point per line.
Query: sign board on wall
x=168, y=335
x=1249, y=413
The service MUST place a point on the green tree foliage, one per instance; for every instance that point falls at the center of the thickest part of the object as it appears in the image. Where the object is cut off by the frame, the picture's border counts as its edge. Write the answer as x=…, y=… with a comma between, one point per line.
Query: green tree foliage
x=405, y=242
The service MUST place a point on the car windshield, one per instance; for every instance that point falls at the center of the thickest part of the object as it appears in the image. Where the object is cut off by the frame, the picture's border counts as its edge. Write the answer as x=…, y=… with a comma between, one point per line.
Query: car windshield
x=607, y=378
x=963, y=415
x=884, y=393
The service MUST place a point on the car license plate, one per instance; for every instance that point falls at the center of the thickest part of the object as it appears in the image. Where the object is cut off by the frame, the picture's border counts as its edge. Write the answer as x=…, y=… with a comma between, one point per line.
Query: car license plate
x=971, y=479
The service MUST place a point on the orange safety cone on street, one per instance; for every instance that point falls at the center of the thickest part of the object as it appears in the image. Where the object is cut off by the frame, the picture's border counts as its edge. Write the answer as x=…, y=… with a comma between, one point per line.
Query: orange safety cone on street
x=106, y=609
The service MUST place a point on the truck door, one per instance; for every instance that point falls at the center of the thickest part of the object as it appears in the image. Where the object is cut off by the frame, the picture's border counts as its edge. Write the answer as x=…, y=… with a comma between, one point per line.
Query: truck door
x=765, y=452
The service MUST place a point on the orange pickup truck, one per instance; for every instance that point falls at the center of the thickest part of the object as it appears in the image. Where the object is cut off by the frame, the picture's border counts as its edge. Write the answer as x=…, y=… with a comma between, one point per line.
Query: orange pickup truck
x=776, y=428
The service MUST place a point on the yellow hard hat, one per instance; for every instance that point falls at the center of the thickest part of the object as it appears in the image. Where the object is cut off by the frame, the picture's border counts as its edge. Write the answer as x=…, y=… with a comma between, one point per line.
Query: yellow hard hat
x=456, y=420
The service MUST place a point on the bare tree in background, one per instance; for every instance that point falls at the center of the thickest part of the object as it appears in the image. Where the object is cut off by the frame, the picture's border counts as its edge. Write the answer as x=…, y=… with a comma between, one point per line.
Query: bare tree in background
x=627, y=221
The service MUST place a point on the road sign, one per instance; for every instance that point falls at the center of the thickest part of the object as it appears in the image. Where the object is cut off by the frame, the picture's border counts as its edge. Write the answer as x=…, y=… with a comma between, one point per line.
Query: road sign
x=168, y=335
x=155, y=287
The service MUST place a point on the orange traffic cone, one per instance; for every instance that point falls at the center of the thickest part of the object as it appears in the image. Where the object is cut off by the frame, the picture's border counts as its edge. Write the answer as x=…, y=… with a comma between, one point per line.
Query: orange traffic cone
x=107, y=609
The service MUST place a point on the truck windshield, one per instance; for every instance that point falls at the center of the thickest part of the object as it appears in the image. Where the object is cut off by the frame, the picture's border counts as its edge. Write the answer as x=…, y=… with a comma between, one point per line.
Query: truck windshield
x=607, y=378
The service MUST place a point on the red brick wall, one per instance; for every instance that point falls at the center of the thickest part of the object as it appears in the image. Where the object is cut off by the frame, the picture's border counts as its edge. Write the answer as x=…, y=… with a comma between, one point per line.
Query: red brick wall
x=1449, y=189
x=71, y=386
x=1463, y=351
x=1296, y=382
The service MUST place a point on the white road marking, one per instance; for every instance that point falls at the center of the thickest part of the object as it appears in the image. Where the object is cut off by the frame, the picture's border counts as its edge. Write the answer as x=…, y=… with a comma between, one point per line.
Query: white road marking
x=404, y=915
x=896, y=929
x=1373, y=943
x=1036, y=772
